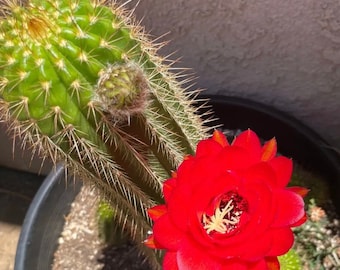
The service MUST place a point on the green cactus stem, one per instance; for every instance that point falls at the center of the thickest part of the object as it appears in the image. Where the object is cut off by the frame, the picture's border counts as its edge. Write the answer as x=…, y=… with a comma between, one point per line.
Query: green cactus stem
x=81, y=83
x=107, y=228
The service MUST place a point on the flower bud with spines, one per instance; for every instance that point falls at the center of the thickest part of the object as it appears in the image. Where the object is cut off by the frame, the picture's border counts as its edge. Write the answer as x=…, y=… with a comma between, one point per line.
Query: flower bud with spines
x=81, y=84
x=122, y=90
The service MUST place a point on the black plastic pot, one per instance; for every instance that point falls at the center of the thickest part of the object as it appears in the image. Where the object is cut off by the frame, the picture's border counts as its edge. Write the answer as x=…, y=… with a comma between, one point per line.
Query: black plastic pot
x=44, y=221
x=45, y=218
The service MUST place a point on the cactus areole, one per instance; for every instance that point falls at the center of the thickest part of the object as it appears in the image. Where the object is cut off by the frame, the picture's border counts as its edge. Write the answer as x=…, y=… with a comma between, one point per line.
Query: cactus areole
x=81, y=83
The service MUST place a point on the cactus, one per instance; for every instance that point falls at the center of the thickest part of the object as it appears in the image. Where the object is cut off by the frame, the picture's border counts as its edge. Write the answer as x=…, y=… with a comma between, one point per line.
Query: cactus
x=108, y=231
x=318, y=240
x=290, y=261
x=81, y=83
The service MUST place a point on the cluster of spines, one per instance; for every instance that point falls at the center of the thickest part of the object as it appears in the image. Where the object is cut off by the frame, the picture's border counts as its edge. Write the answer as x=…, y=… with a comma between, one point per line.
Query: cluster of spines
x=51, y=57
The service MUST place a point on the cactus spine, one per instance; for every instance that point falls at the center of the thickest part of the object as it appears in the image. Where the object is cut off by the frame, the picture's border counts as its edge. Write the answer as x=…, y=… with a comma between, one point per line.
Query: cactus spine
x=82, y=84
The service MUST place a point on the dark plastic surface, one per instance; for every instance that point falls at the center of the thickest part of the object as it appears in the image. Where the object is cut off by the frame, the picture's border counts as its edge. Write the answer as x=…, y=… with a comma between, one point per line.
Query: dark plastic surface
x=44, y=221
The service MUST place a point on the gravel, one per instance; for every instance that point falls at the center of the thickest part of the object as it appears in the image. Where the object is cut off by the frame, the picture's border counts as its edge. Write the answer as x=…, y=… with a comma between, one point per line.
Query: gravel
x=80, y=247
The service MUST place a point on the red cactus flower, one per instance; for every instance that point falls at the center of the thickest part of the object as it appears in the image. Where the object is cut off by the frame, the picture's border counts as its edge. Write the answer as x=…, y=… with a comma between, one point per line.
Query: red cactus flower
x=228, y=207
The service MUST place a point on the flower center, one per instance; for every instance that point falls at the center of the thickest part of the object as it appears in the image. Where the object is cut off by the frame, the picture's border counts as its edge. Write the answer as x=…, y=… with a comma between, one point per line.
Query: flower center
x=227, y=215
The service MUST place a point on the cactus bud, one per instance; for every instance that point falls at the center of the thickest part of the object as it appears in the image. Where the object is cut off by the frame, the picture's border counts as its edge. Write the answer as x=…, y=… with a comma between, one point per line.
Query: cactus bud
x=122, y=90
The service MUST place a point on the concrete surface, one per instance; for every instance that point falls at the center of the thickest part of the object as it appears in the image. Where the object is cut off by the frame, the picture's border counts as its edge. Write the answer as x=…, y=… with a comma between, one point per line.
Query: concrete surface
x=16, y=192
x=9, y=235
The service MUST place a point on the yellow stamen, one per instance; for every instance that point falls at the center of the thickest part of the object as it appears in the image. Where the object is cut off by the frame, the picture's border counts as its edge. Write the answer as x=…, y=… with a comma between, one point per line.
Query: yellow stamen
x=223, y=219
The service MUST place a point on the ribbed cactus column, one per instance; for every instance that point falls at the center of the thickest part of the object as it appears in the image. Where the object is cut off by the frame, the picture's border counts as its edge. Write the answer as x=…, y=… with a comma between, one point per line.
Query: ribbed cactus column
x=80, y=83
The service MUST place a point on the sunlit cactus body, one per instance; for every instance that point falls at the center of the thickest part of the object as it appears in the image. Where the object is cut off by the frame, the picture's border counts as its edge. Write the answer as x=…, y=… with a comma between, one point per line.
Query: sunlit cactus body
x=80, y=83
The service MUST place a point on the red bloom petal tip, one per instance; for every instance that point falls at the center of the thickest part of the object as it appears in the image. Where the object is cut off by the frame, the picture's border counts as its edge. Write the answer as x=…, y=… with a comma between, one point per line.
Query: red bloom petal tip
x=157, y=211
x=150, y=242
x=168, y=187
x=219, y=137
x=174, y=174
x=299, y=190
x=186, y=157
x=273, y=263
x=301, y=221
x=269, y=150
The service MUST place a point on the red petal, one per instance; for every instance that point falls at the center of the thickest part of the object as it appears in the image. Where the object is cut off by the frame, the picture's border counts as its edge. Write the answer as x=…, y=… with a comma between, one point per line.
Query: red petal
x=300, y=222
x=179, y=205
x=208, y=147
x=157, y=211
x=259, y=265
x=282, y=241
x=191, y=257
x=166, y=234
x=170, y=261
x=256, y=250
x=261, y=173
x=283, y=168
x=235, y=158
x=269, y=150
x=290, y=208
x=219, y=137
x=299, y=190
x=206, y=195
x=236, y=265
x=273, y=263
x=249, y=140
x=168, y=187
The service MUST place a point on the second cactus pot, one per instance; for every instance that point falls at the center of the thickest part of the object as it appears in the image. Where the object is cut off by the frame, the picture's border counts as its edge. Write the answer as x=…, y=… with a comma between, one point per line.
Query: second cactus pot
x=44, y=220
